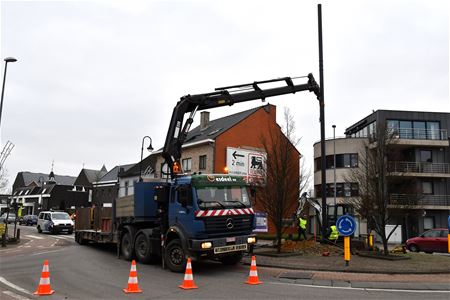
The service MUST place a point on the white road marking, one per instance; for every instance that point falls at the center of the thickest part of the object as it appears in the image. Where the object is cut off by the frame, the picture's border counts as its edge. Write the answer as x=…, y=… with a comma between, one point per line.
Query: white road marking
x=15, y=296
x=362, y=289
x=45, y=252
x=16, y=287
x=35, y=237
x=69, y=238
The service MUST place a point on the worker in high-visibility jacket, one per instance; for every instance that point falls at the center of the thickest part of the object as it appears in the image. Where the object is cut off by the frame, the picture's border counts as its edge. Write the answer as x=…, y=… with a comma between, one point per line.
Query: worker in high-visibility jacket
x=334, y=234
x=301, y=227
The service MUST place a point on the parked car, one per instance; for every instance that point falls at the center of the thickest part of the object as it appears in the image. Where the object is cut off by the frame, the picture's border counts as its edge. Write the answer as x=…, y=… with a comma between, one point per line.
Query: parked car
x=434, y=240
x=54, y=222
x=28, y=220
x=11, y=218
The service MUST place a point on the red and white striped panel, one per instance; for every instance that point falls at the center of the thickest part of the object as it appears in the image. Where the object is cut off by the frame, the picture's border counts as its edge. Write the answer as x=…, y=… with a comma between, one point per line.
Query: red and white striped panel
x=224, y=212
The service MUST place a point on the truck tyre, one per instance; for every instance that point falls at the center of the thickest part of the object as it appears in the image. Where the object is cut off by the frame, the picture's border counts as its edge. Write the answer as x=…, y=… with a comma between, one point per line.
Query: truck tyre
x=126, y=246
x=174, y=256
x=142, y=250
x=79, y=239
x=39, y=229
x=231, y=259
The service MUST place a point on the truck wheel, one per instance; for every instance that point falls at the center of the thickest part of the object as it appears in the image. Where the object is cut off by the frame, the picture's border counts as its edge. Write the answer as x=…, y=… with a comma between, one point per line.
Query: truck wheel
x=231, y=259
x=174, y=256
x=39, y=229
x=126, y=246
x=79, y=239
x=142, y=250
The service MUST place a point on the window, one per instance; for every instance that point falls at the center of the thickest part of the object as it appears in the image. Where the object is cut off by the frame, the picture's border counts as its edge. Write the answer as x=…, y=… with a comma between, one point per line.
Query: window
x=186, y=164
x=329, y=162
x=425, y=156
x=339, y=160
x=126, y=188
x=419, y=130
x=428, y=223
x=202, y=162
x=427, y=187
x=165, y=172
x=406, y=130
x=347, y=189
x=346, y=160
x=433, y=132
x=431, y=233
x=355, y=189
x=353, y=160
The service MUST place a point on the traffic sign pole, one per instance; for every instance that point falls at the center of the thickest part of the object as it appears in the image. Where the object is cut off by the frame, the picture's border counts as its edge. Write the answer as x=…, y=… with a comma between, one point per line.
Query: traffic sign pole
x=347, y=250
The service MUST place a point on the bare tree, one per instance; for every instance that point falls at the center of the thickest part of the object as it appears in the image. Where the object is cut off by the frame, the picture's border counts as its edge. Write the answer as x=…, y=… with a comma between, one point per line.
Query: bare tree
x=373, y=178
x=4, y=181
x=283, y=182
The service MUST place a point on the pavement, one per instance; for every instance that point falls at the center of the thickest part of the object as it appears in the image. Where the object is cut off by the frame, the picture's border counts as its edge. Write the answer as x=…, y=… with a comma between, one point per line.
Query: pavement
x=420, y=272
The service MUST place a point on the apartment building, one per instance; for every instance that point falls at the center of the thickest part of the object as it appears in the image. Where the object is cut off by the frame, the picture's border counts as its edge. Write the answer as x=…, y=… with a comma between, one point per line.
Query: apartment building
x=419, y=171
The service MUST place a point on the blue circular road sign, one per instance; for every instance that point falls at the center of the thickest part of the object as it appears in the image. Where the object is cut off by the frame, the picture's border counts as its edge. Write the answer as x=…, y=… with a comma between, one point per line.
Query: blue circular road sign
x=449, y=223
x=346, y=225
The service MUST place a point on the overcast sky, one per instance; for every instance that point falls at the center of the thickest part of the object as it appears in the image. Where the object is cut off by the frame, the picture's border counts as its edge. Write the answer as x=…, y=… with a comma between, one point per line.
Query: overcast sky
x=93, y=78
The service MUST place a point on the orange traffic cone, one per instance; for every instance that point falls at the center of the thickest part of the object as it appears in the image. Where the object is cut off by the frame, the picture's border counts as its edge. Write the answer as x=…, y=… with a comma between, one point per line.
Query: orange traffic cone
x=44, y=283
x=132, y=280
x=253, y=276
x=188, y=282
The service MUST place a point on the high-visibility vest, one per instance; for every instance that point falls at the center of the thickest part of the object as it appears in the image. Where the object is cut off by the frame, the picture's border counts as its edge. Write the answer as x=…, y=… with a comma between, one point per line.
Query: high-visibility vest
x=334, y=233
x=302, y=223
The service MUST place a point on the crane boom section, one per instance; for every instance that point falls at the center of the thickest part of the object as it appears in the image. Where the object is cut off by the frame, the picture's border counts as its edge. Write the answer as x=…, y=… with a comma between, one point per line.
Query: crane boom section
x=178, y=131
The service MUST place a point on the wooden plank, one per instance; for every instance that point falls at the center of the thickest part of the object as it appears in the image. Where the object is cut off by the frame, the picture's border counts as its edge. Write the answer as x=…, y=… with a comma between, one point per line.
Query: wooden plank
x=125, y=206
x=82, y=220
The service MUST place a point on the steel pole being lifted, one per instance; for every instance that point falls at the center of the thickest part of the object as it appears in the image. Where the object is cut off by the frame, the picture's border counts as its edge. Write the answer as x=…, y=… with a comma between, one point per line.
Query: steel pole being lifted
x=322, y=129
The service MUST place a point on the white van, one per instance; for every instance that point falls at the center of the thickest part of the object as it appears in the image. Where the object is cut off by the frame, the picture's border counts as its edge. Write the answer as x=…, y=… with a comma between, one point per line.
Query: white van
x=54, y=222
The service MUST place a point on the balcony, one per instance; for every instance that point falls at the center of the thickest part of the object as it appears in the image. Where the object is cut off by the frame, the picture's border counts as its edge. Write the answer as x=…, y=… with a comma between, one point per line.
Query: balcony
x=419, y=169
x=421, y=137
x=418, y=201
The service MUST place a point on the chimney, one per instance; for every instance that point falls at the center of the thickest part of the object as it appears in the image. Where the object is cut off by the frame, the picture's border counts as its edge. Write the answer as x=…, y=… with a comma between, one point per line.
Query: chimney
x=204, y=120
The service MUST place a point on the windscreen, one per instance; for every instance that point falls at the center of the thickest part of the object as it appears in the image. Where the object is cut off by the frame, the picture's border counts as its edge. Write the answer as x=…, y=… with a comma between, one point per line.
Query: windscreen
x=60, y=216
x=222, y=197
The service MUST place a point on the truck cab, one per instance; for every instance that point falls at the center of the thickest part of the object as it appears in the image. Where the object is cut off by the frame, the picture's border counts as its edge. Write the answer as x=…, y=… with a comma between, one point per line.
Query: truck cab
x=209, y=216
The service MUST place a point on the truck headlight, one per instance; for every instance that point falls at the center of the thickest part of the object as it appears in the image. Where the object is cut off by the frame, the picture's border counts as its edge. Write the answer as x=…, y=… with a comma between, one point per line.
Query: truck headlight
x=251, y=240
x=206, y=245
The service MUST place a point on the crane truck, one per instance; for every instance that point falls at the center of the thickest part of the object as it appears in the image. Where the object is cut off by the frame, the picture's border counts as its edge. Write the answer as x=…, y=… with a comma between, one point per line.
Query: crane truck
x=196, y=216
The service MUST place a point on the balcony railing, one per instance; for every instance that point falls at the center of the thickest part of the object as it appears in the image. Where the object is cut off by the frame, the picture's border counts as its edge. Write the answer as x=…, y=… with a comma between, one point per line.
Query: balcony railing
x=419, y=200
x=420, y=134
x=418, y=167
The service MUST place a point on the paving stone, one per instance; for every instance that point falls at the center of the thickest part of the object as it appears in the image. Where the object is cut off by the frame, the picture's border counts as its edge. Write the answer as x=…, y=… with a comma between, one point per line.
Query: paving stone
x=296, y=275
x=362, y=284
x=437, y=286
x=304, y=281
x=322, y=282
x=339, y=283
x=287, y=280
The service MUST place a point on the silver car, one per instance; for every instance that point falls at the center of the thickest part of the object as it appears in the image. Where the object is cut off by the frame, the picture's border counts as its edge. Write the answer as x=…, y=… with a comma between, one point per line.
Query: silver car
x=11, y=218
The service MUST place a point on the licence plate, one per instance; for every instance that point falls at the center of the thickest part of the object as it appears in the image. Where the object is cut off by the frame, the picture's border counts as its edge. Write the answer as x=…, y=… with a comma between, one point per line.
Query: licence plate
x=230, y=248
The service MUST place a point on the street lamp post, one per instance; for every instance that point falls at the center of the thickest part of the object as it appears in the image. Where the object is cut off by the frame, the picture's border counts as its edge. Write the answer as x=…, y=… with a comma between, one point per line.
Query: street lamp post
x=149, y=148
x=334, y=163
x=7, y=60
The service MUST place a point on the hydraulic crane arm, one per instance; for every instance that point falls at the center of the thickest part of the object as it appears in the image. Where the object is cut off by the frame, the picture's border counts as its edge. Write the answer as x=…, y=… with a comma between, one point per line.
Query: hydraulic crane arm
x=230, y=95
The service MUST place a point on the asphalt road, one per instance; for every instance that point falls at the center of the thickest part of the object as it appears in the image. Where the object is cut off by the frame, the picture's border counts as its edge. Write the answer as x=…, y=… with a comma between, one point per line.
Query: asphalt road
x=93, y=272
